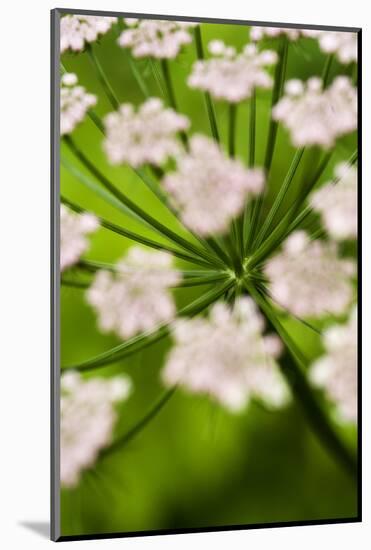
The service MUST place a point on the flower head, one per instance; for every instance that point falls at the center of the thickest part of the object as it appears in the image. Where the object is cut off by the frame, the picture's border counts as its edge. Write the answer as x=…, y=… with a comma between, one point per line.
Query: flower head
x=76, y=30
x=209, y=188
x=137, y=297
x=155, y=38
x=87, y=420
x=147, y=135
x=258, y=33
x=232, y=76
x=75, y=102
x=315, y=116
x=343, y=44
x=336, y=371
x=309, y=279
x=227, y=357
x=73, y=241
x=337, y=203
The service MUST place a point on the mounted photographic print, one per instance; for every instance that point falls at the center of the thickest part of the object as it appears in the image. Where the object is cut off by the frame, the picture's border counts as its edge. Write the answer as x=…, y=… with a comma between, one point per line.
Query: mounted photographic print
x=205, y=210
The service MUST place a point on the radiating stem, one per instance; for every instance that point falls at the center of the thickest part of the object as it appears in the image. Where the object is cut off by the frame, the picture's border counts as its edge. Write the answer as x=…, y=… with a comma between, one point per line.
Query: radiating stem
x=139, y=426
x=170, y=93
x=232, y=129
x=102, y=77
x=208, y=100
x=150, y=337
x=294, y=372
x=280, y=197
x=137, y=209
x=139, y=238
x=252, y=127
x=327, y=69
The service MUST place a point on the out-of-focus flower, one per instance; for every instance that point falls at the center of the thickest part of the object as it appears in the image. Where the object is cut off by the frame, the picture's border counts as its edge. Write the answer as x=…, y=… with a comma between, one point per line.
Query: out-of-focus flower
x=258, y=33
x=337, y=203
x=137, y=297
x=87, y=420
x=309, y=279
x=209, y=188
x=342, y=44
x=155, y=38
x=144, y=136
x=315, y=116
x=75, y=102
x=76, y=30
x=73, y=241
x=336, y=371
x=227, y=357
x=232, y=76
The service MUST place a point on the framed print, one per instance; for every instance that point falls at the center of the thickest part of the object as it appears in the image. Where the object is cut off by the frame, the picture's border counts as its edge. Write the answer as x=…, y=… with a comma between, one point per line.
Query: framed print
x=205, y=269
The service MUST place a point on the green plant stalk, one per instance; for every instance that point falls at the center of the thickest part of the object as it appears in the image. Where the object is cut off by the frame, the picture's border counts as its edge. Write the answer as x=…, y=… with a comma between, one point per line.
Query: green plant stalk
x=140, y=425
x=295, y=373
x=279, y=79
x=137, y=209
x=150, y=337
x=327, y=70
x=170, y=93
x=244, y=222
x=102, y=78
x=208, y=100
x=137, y=76
x=139, y=238
x=267, y=225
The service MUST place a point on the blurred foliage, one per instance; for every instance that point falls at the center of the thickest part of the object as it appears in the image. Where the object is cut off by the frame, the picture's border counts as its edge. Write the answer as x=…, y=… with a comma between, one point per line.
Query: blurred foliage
x=194, y=465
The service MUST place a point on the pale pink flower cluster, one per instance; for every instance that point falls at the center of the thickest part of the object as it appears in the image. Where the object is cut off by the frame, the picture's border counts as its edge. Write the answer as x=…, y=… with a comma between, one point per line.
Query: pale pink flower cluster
x=227, y=357
x=232, y=76
x=309, y=279
x=137, y=297
x=336, y=371
x=342, y=44
x=73, y=241
x=76, y=30
x=87, y=421
x=209, y=188
x=337, y=203
x=315, y=116
x=146, y=135
x=258, y=33
x=155, y=38
x=74, y=103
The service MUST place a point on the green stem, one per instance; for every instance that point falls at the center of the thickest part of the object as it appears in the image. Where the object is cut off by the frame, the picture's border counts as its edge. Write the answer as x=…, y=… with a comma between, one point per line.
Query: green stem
x=252, y=129
x=279, y=79
x=232, y=129
x=137, y=76
x=327, y=69
x=102, y=78
x=150, y=337
x=139, y=238
x=280, y=197
x=139, y=426
x=170, y=93
x=295, y=373
x=158, y=226
x=208, y=100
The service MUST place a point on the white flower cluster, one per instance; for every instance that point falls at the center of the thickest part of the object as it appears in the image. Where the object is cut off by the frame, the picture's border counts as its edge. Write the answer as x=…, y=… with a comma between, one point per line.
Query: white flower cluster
x=337, y=203
x=209, y=188
x=155, y=38
x=75, y=102
x=73, y=241
x=315, y=116
x=137, y=297
x=232, y=76
x=336, y=371
x=342, y=44
x=258, y=33
x=227, y=357
x=309, y=279
x=87, y=420
x=78, y=29
x=147, y=135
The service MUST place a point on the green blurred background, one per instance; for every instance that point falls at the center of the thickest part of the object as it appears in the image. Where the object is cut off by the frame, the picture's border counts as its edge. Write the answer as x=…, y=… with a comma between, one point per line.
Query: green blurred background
x=194, y=465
